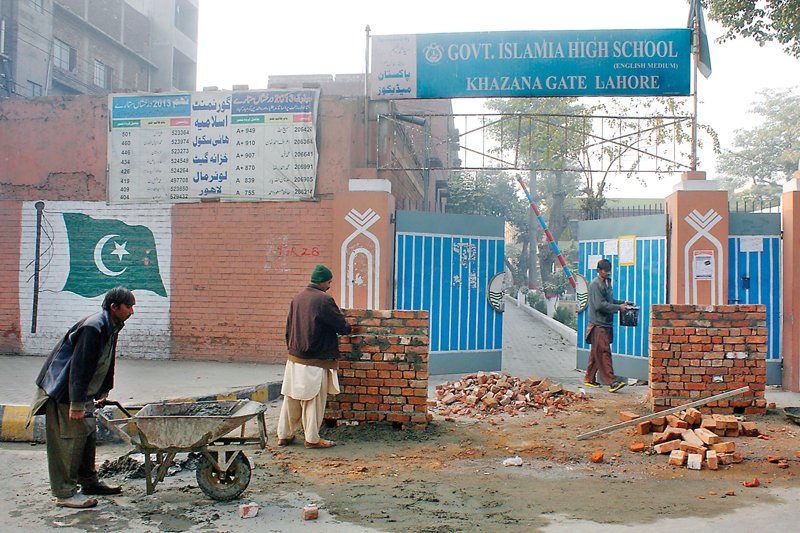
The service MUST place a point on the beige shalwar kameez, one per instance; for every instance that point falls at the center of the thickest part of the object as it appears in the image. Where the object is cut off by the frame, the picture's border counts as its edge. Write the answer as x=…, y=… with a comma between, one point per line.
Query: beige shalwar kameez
x=305, y=393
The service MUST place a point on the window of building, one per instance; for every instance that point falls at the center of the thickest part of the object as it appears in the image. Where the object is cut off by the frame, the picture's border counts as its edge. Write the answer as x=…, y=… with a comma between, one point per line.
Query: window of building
x=65, y=57
x=38, y=5
x=34, y=88
x=102, y=74
x=186, y=19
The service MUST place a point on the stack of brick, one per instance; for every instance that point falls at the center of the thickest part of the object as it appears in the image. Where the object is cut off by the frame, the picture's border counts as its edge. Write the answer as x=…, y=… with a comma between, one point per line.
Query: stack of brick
x=699, y=351
x=695, y=440
x=384, y=372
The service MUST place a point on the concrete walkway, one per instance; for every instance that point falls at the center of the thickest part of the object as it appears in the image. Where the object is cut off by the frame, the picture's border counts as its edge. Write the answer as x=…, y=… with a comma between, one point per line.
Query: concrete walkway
x=141, y=381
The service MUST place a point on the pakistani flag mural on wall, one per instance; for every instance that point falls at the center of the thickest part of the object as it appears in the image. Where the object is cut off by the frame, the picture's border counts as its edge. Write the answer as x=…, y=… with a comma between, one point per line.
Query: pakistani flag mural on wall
x=105, y=253
x=85, y=249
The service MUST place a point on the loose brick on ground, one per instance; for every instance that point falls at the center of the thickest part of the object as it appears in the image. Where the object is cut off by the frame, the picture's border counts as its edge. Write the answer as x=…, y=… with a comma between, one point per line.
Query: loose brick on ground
x=711, y=460
x=724, y=447
x=708, y=437
x=694, y=461
x=677, y=457
x=667, y=447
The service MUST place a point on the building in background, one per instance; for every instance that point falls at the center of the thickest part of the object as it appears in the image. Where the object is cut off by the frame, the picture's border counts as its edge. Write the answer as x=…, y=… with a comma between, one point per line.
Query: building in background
x=418, y=138
x=67, y=47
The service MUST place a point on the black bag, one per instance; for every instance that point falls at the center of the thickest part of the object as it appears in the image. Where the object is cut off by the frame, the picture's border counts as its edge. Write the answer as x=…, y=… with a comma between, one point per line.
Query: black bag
x=629, y=317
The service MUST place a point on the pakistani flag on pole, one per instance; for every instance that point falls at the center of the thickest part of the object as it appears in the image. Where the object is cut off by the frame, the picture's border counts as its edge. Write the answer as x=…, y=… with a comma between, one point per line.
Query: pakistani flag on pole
x=106, y=253
x=703, y=54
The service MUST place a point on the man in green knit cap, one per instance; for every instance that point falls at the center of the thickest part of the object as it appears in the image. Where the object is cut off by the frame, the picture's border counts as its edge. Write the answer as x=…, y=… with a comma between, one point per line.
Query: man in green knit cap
x=312, y=330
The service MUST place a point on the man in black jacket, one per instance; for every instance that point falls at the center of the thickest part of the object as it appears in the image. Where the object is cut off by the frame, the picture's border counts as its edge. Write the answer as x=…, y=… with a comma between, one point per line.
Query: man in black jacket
x=75, y=379
x=312, y=330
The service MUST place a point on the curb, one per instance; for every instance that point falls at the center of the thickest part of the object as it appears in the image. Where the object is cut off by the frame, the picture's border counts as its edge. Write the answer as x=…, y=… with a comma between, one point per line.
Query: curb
x=12, y=417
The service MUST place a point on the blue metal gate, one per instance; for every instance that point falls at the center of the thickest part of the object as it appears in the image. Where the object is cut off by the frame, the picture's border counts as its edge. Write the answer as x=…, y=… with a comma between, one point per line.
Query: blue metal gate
x=754, y=265
x=443, y=264
x=754, y=274
x=640, y=276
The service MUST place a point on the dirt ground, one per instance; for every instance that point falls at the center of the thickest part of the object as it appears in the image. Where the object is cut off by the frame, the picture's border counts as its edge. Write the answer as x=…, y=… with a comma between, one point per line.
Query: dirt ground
x=449, y=477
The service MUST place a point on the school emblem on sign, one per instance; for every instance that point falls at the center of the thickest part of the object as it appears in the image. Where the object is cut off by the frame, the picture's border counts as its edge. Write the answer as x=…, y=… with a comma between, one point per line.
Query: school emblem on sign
x=433, y=53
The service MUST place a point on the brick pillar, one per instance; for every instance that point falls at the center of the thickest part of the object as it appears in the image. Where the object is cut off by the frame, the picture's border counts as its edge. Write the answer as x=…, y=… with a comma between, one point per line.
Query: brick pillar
x=698, y=244
x=790, y=345
x=384, y=374
x=363, y=237
x=699, y=351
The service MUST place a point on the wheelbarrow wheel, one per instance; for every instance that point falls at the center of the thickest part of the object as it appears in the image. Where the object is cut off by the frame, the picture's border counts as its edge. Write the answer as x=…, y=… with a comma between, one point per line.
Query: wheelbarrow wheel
x=224, y=486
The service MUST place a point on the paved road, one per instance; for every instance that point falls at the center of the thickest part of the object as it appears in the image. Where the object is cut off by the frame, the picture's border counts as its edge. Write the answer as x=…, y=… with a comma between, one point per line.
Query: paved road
x=532, y=349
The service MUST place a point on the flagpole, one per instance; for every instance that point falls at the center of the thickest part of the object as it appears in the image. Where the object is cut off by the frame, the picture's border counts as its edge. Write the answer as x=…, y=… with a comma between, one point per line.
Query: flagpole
x=696, y=57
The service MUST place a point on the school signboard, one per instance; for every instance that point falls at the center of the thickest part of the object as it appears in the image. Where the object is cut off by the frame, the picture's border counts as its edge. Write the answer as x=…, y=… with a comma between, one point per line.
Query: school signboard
x=650, y=62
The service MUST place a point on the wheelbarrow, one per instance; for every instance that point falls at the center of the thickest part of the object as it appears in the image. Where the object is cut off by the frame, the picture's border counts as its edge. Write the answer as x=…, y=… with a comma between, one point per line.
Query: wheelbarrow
x=792, y=413
x=161, y=430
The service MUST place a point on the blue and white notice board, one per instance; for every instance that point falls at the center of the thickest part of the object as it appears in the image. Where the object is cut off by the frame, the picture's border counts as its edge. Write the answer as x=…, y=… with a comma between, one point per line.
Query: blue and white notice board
x=632, y=62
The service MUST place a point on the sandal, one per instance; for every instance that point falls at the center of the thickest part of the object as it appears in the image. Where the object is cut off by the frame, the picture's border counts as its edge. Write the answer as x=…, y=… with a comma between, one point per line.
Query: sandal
x=323, y=443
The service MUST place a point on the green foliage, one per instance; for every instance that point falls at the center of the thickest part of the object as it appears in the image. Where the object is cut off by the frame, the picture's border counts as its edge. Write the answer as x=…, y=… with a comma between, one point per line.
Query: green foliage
x=556, y=283
x=764, y=21
x=536, y=300
x=491, y=193
x=567, y=317
x=765, y=156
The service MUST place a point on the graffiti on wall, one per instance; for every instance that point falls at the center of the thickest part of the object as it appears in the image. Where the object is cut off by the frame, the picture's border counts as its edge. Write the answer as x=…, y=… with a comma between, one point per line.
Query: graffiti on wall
x=84, y=249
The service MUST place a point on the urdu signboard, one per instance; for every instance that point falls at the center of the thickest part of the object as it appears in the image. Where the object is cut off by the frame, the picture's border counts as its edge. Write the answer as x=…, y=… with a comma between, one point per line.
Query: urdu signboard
x=250, y=146
x=650, y=62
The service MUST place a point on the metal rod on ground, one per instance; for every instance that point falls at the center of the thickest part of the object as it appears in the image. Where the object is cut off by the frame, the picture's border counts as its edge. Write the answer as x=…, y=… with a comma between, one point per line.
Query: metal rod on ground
x=547, y=233
x=666, y=412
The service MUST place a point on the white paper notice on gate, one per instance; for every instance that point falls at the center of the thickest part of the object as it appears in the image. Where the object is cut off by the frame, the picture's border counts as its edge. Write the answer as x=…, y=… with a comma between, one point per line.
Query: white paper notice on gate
x=703, y=264
x=751, y=244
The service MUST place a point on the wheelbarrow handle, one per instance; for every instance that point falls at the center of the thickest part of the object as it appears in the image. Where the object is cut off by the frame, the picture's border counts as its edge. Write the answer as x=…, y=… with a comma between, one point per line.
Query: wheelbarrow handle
x=118, y=405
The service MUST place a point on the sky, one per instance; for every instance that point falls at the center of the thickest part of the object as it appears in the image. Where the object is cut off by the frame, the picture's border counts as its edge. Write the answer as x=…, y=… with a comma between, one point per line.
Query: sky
x=246, y=41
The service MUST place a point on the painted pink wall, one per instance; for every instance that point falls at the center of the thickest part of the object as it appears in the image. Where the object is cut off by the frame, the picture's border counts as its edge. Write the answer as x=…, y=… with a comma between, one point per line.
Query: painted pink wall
x=53, y=148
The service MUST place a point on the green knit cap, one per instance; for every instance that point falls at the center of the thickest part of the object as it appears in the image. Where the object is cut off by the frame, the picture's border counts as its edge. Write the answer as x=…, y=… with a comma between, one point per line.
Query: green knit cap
x=321, y=274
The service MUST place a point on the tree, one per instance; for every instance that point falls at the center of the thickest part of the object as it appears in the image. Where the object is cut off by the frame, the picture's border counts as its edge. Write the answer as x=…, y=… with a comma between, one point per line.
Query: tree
x=577, y=147
x=763, y=20
x=535, y=131
x=765, y=156
x=492, y=193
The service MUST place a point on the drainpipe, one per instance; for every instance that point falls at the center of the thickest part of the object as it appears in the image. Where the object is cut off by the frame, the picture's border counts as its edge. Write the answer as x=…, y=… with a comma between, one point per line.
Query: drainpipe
x=366, y=99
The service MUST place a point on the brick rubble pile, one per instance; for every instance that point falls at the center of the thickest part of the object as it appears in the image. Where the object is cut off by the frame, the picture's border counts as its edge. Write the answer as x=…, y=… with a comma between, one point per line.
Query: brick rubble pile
x=490, y=393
